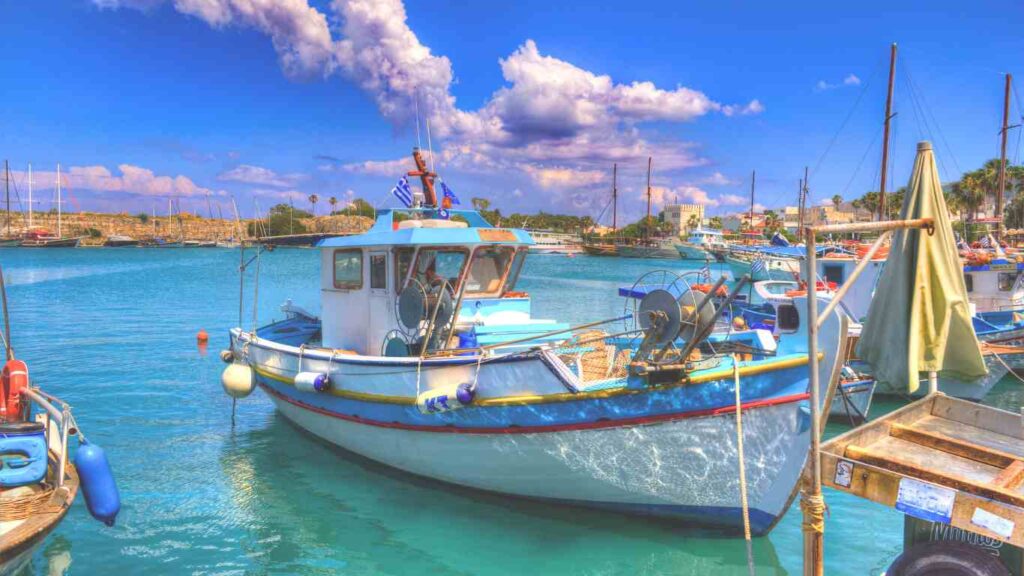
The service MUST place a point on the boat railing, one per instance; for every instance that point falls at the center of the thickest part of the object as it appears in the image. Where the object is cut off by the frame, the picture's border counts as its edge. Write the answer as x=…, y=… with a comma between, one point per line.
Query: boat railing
x=61, y=417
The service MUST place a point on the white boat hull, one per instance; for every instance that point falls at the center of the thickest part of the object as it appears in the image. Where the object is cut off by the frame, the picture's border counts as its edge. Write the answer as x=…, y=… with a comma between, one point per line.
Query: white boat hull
x=684, y=468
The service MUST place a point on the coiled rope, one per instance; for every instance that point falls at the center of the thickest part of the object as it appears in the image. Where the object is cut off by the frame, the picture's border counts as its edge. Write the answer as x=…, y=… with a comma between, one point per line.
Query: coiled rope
x=813, y=507
x=743, y=472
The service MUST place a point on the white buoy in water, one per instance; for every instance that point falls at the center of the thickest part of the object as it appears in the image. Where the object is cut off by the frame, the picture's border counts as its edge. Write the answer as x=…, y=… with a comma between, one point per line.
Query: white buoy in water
x=238, y=380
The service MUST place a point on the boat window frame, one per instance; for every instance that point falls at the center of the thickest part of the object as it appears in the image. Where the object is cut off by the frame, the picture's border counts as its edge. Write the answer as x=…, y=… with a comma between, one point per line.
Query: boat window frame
x=513, y=275
x=504, y=275
x=447, y=248
x=374, y=254
x=784, y=315
x=401, y=280
x=334, y=269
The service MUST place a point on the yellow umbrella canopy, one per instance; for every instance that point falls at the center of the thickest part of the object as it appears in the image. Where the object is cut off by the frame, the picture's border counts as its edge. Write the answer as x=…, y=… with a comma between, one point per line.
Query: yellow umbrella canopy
x=919, y=319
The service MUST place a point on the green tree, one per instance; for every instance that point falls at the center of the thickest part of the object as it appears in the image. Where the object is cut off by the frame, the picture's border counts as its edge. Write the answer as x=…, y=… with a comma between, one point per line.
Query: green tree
x=715, y=222
x=281, y=220
x=693, y=222
x=333, y=202
x=313, y=199
x=837, y=201
x=143, y=217
x=480, y=204
x=359, y=207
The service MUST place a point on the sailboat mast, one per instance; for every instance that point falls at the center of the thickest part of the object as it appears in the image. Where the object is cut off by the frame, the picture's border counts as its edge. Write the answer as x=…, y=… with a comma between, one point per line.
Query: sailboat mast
x=804, y=192
x=7, y=189
x=753, y=180
x=1002, y=157
x=30, y=195
x=885, y=135
x=799, y=206
x=59, y=232
x=615, y=197
x=647, y=223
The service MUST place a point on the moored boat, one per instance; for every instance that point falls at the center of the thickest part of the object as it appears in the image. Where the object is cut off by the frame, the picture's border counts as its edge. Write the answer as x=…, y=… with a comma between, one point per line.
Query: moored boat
x=120, y=241
x=427, y=359
x=38, y=480
x=40, y=238
x=547, y=242
x=600, y=248
x=701, y=244
x=653, y=248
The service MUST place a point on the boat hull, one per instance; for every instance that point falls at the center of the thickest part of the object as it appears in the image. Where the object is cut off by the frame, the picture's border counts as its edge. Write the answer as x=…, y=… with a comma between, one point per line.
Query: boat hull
x=692, y=252
x=600, y=249
x=852, y=401
x=659, y=252
x=52, y=243
x=684, y=468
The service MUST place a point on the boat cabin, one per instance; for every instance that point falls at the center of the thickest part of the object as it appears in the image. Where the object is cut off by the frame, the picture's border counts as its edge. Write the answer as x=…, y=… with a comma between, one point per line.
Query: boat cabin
x=995, y=286
x=362, y=276
x=701, y=236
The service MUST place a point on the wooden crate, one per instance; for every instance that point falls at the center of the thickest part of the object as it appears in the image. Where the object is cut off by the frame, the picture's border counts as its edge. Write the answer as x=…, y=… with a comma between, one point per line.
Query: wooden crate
x=938, y=459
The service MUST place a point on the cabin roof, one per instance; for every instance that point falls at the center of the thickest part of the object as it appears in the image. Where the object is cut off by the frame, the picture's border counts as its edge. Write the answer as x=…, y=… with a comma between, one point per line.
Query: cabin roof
x=384, y=232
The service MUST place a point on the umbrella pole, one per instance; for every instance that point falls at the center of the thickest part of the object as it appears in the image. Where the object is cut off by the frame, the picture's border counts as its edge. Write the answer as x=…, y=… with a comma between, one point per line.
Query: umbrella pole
x=811, y=502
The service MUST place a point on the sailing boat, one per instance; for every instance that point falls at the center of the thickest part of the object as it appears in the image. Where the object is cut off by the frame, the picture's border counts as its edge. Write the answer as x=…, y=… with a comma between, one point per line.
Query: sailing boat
x=40, y=238
x=650, y=247
x=595, y=246
x=8, y=240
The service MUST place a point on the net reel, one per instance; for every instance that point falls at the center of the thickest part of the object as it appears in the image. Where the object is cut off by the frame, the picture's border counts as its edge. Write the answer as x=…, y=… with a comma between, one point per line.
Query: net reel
x=424, y=312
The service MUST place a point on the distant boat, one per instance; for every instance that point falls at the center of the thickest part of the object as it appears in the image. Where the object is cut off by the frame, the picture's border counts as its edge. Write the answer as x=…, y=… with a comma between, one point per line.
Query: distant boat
x=118, y=241
x=547, y=242
x=228, y=243
x=199, y=244
x=664, y=249
x=10, y=242
x=158, y=242
x=600, y=248
x=40, y=238
x=699, y=244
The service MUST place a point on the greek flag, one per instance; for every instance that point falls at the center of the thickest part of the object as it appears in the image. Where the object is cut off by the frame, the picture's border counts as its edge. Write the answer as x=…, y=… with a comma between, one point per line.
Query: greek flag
x=403, y=192
x=986, y=241
x=758, y=266
x=447, y=192
x=705, y=272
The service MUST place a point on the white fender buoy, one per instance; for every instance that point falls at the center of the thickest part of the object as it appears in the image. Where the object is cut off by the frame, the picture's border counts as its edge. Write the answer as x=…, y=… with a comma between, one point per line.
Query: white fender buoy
x=238, y=380
x=227, y=356
x=312, y=381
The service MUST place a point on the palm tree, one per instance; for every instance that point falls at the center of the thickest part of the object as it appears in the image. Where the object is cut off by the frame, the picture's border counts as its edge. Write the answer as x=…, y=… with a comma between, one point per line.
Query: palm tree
x=693, y=222
x=313, y=199
x=837, y=200
x=715, y=222
x=333, y=202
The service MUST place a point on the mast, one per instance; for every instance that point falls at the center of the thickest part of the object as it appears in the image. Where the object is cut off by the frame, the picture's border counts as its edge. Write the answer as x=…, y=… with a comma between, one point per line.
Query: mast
x=59, y=233
x=647, y=223
x=799, y=205
x=29, y=195
x=615, y=197
x=885, y=135
x=426, y=176
x=804, y=192
x=1002, y=157
x=7, y=189
x=753, y=180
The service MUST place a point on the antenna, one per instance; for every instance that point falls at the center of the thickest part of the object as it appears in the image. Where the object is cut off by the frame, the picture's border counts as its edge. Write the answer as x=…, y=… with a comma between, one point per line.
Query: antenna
x=417, y=101
x=30, y=195
x=7, y=321
x=429, y=147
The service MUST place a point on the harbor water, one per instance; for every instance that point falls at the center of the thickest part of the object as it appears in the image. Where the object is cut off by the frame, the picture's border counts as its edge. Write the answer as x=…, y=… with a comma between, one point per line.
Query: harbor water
x=112, y=331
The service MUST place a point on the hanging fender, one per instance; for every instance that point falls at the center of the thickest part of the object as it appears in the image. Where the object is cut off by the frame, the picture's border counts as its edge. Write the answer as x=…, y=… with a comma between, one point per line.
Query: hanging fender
x=15, y=379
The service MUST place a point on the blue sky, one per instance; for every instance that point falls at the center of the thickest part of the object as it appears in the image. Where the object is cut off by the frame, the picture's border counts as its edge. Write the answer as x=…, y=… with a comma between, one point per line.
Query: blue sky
x=529, y=102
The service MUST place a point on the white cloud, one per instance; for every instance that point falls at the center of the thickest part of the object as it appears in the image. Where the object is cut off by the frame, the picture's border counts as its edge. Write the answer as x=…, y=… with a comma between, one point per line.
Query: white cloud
x=732, y=200
x=717, y=179
x=562, y=177
x=130, y=179
x=550, y=115
x=260, y=176
x=850, y=79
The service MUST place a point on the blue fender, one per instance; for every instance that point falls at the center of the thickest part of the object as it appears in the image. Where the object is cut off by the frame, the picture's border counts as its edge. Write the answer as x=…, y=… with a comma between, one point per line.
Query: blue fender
x=98, y=485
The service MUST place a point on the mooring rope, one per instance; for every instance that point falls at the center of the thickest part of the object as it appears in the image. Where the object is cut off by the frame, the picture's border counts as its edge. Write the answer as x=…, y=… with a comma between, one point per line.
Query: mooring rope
x=743, y=472
x=1007, y=366
x=813, y=507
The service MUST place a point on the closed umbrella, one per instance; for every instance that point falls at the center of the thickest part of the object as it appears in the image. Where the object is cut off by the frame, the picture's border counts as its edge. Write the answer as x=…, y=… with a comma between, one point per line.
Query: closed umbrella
x=919, y=319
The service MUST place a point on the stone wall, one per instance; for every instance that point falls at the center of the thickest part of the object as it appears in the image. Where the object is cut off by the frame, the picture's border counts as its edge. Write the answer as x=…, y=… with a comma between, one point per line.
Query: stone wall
x=191, y=227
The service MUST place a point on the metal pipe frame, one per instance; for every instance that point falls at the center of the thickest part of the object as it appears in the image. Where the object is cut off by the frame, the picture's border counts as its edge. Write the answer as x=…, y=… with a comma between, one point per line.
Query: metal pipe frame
x=861, y=266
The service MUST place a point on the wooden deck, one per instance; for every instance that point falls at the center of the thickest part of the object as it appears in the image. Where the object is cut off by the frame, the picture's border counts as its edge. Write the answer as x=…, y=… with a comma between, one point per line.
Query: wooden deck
x=938, y=459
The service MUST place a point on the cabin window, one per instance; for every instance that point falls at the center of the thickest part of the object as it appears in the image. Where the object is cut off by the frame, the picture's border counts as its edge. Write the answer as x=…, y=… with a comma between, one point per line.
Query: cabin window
x=436, y=265
x=517, y=267
x=1006, y=281
x=403, y=261
x=490, y=264
x=969, y=282
x=378, y=272
x=834, y=273
x=348, y=269
x=788, y=318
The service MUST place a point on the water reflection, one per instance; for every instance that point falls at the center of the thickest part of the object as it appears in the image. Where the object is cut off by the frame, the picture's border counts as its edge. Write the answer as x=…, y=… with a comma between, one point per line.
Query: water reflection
x=310, y=507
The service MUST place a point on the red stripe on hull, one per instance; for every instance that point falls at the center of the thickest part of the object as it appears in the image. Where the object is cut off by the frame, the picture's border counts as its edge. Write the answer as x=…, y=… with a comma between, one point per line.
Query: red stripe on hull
x=638, y=421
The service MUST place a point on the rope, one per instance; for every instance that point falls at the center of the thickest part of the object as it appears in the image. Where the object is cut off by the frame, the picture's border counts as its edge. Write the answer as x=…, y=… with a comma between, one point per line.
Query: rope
x=743, y=472
x=1007, y=366
x=813, y=507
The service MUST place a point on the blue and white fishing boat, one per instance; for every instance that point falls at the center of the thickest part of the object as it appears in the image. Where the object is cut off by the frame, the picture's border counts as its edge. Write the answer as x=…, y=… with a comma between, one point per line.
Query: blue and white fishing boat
x=701, y=244
x=426, y=357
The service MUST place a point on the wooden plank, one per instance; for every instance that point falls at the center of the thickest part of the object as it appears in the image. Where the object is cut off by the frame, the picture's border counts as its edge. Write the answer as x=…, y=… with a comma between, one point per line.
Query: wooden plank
x=978, y=416
x=890, y=462
x=954, y=446
x=873, y=431
x=1011, y=477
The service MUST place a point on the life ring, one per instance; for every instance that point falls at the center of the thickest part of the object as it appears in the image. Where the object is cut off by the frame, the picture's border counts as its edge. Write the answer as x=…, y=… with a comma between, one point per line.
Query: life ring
x=15, y=379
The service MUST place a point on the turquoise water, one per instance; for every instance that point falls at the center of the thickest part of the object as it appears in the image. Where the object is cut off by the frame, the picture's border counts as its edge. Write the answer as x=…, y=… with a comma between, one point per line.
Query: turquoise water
x=112, y=331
